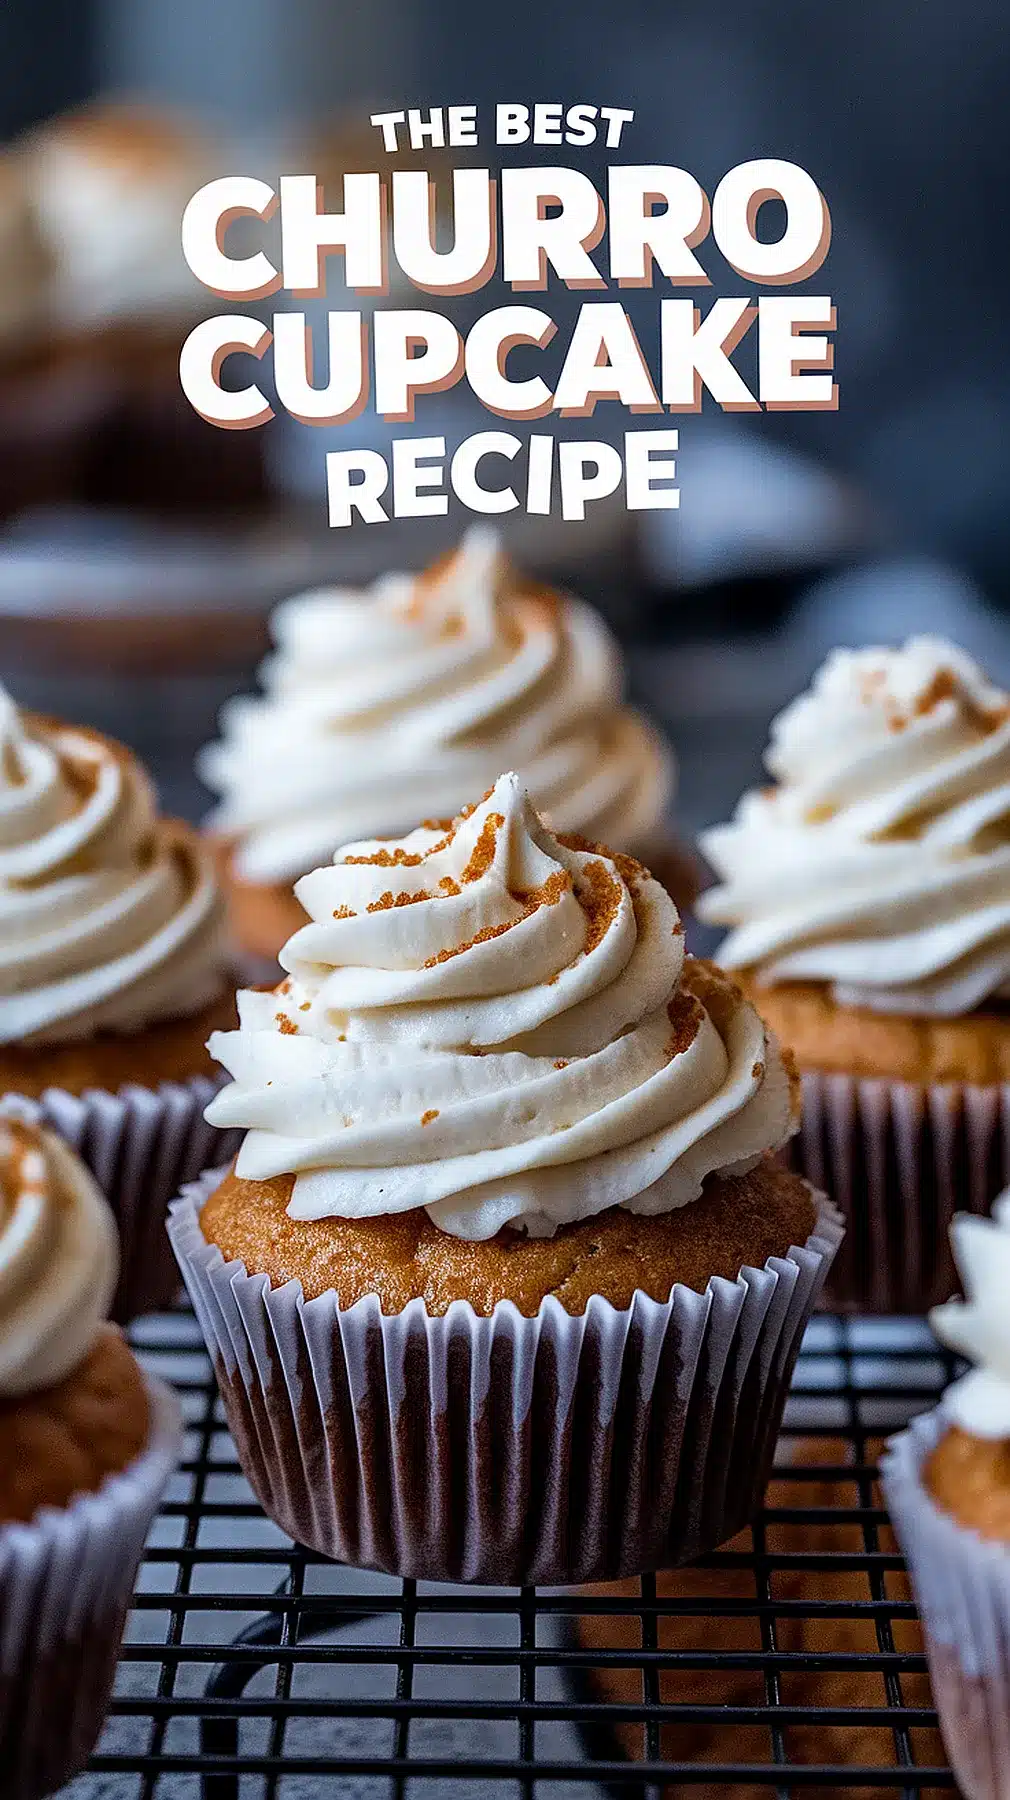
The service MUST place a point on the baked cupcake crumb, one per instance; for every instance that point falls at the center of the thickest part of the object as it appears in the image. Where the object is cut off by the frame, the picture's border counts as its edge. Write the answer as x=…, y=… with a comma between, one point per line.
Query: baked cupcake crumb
x=69, y=1439
x=740, y=1220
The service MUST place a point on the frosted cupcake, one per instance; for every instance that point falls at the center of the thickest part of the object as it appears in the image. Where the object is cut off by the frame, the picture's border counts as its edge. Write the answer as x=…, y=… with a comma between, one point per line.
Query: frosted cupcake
x=107, y=186
x=401, y=703
x=86, y=1447
x=868, y=895
x=947, y=1484
x=505, y=1284
x=112, y=961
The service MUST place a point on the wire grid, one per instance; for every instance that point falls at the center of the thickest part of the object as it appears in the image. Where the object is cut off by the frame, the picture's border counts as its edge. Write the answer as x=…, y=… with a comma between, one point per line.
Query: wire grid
x=252, y=1667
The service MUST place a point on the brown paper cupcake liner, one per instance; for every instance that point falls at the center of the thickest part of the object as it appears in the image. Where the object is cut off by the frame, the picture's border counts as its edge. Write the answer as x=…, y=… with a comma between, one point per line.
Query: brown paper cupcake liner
x=962, y=1586
x=507, y=1449
x=900, y=1159
x=66, y=1580
x=142, y=1145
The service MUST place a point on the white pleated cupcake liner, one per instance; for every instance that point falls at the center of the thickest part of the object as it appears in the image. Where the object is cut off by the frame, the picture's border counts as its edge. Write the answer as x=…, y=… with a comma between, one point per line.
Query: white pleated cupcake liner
x=66, y=1581
x=554, y=1449
x=142, y=1145
x=900, y=1159
x=962, y=1589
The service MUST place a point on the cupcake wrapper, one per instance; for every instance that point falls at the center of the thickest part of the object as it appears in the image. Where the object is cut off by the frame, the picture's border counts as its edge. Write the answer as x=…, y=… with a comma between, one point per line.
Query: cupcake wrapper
x=900, y=1159
x=555, y=1449
x=962, y=1586
x=142, y=1145
x=66, y=1581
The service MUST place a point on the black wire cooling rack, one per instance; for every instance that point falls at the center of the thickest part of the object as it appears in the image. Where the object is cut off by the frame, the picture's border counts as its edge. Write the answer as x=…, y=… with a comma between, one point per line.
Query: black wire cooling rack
x=790, y=1660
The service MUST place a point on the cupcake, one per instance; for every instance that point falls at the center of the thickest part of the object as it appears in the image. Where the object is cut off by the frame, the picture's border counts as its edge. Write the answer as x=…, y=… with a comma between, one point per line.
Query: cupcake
x=87, y=1444
x=868, y=896
x=399, y=704
x=947, y=1484
x=505, y=1284
x=112, y=964
x=100, y=398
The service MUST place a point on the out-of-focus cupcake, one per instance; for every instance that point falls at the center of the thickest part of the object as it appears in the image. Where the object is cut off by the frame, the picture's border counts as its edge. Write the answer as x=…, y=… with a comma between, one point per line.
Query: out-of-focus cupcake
x=86, y=1447
x=112, y=973
x=99, y=398
x=400, y=703
x=534, y=1282
x=947, y=1485
x=868, y=895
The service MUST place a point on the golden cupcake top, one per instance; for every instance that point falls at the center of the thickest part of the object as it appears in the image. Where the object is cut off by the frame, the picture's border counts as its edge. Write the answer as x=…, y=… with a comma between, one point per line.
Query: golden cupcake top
x=59, y=1260
x=110, y=918
x=401, y=703
x=878, y=864
x=498, y=1024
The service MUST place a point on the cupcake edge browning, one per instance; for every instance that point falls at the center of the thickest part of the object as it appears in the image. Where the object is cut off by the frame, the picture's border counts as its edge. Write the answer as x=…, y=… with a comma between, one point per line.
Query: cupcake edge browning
x=969, y=1480
x=739, y=1221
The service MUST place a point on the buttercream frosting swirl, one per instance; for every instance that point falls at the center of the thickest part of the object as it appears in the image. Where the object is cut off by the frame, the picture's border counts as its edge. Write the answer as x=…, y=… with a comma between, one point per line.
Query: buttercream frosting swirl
x=879, y=863
x=978, y=1327
x=110, y=918
x=109, y=186
x=499, y=1025
x=59, y=1259
x=385, y=707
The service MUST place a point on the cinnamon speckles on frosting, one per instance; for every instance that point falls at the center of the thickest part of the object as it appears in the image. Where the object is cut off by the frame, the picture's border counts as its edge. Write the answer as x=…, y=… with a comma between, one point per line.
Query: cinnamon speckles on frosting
x=880, y=862
x=397, y=704
x=529, y=999
x=110, y=917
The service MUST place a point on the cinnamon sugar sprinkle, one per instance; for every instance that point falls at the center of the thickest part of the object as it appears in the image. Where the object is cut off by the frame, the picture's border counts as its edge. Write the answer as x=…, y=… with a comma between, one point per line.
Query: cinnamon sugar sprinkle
x=685, y=1015
x=388, y=901
x=629, y=868
x=387, y=859
x=482, y=854
x=344, y=912
x=553, y=888
x=599, y=898
x=427, y=1117
x=449, y=886
x=285, y=1025
x=943, y=686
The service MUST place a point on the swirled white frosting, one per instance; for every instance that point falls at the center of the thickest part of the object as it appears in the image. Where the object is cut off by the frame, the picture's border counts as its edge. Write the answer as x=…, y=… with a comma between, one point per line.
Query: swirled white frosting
x=499, y=1026
x=880, y=862
x=110, y=185
x=387, y=707
x=110, y=917
x=59, y=1260
x=979, y=1326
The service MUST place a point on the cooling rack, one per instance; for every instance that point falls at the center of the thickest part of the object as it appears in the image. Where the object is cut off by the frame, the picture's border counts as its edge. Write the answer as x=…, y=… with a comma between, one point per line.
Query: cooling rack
x=789, y=1661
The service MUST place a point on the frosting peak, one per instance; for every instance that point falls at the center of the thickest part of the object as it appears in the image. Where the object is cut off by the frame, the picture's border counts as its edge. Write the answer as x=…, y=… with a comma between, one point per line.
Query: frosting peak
x=979, y=1326
x=500, y=1025
x=386, y=706
x=880, y=862
x=59, y=1259
x=109, y=916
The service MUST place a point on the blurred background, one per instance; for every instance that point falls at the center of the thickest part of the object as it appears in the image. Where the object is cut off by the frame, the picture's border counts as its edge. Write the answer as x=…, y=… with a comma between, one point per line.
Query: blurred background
x=125, y=520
